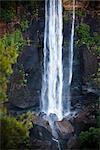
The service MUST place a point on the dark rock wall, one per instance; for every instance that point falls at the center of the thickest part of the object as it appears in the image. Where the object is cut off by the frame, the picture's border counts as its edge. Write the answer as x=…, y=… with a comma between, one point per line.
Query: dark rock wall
x=90, y=56
x=31, y=60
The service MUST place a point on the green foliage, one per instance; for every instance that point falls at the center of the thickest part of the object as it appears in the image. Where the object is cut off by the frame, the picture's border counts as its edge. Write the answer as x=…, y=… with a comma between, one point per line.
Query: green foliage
x=97, y=114
x=80, y=13
x=3, y=110
x=83, y=32
x=96, y=78
x=65, y=16
x=22, y=81
x=24, y=25
x=98, y=120
x=7, y=15
x=9, y=50
x=90, y=139
x=26, y=119
x=35, y=13
x=96, y=39
x=16, y=39
x=13, y=133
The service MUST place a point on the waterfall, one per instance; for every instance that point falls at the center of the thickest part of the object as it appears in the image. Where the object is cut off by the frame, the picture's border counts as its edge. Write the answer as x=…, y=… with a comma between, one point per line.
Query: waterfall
x=52, y=80
x=52, y=85
x=71, y=46
x=70, y=61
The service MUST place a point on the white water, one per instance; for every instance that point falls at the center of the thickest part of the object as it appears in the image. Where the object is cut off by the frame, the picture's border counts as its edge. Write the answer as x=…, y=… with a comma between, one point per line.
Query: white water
x=53, y=67
x=52, y=84
x=71, y=61
x=71, y=46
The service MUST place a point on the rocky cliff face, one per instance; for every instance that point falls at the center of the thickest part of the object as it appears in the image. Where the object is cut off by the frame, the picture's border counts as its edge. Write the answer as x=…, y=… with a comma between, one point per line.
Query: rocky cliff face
x=80, y=4
x=68, y=4
x=31, y=58
x=30, y=61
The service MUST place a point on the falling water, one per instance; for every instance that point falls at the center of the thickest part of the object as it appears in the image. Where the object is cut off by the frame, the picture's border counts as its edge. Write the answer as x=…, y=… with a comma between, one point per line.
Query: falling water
x=71, y=46
x=71, y=61
x=52, y=83
x=53, y=68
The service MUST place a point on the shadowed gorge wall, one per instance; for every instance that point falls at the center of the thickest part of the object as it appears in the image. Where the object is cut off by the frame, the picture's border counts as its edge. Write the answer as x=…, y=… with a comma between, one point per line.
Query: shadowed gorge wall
x=30, y=61
x=26, y=30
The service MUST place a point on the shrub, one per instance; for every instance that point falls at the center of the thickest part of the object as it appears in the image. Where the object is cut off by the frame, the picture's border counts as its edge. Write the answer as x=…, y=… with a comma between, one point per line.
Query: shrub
x=13, y=133
x=7, y=14
x=83, y=32
x=26, y=119
x=10, y=45
x=90, y=139
x=80, y=13
x=24, y=24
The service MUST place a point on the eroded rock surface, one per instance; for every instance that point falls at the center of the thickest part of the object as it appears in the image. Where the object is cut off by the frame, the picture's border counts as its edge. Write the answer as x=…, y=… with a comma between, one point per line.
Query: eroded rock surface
x=64, y=127
x=41, y=135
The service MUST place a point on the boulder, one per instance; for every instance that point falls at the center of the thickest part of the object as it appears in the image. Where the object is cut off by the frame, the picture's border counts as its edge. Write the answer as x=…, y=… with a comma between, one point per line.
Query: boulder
x=41, y=135
x=37, y=120
x=84, y=119
x=64, y=127
x=73, y=143
x=65, y=131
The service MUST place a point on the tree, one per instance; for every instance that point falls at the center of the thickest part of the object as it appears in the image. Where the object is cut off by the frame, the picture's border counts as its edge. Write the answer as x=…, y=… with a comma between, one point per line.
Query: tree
x=9, y=50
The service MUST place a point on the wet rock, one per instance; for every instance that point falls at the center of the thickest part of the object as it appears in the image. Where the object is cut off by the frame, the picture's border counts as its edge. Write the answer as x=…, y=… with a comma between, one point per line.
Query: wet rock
x=91, y=90
x=64, y=127
x=43, y=145
x=73, y=143
x=69, y=130
x=41, y=135
x=84, y=119
x=65, y=131
x=37, y=120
